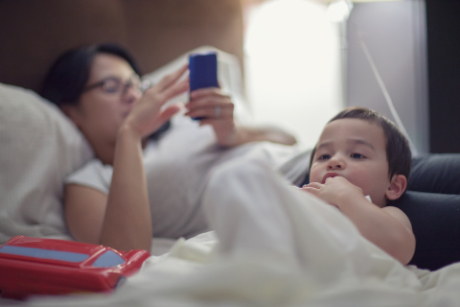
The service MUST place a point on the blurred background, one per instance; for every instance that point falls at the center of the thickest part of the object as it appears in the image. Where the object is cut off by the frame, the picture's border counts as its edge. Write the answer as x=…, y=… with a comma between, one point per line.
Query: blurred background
x=303, y=60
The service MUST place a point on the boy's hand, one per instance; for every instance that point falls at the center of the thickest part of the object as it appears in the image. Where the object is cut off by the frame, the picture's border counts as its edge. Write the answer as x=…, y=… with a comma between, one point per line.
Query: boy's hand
x=334, y=191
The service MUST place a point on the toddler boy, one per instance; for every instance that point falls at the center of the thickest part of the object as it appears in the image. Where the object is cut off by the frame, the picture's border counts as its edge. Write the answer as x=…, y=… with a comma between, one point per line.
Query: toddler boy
x=361, y=153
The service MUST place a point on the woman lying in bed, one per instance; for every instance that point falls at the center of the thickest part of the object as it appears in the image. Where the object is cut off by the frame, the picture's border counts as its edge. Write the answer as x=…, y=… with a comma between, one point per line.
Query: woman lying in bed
x=98, y=87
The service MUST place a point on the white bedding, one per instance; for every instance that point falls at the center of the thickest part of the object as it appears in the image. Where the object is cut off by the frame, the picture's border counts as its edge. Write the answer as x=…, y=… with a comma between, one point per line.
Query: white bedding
x=276, y=246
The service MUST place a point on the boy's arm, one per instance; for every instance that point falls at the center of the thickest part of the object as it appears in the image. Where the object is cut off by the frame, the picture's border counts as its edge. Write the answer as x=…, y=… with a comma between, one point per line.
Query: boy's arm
x=399, y=215
x=385, y=227
x=388, y=228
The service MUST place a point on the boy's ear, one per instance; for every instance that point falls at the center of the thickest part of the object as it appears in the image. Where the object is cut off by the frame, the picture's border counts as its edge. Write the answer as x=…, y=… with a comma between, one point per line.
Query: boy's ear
x=397, y=187
x=71, y=112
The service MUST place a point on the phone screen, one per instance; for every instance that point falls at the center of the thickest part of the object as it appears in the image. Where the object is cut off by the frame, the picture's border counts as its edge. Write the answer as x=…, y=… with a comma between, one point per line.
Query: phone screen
x=203, y=70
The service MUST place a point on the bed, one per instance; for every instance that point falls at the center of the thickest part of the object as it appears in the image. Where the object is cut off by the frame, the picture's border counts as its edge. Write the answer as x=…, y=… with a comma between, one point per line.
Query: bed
x=312, y=257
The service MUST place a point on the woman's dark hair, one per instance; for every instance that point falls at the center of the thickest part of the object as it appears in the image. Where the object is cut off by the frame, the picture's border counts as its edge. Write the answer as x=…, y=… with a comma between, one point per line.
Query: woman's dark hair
x=398, y=152
x=67, y=78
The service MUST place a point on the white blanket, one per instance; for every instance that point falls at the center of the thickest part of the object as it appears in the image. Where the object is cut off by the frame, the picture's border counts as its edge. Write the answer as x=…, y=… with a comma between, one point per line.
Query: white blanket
x=276, y=246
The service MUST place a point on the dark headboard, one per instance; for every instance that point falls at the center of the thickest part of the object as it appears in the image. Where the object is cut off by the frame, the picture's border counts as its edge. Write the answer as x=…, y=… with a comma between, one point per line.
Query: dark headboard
x=34, y=33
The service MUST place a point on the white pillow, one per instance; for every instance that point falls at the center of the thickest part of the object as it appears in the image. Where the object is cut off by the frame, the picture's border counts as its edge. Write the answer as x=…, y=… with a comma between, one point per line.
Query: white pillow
x=39, y=148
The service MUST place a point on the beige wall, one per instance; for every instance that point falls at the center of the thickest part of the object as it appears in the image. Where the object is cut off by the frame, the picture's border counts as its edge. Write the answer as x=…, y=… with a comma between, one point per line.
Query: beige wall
x=34, y=33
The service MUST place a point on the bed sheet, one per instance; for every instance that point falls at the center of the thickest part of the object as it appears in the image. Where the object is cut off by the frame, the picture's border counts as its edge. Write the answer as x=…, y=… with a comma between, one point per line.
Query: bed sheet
x=274, y=245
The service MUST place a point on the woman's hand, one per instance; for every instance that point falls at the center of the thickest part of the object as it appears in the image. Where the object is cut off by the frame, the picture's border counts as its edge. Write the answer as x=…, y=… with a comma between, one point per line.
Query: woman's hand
x=216, y=109
x=147, y=116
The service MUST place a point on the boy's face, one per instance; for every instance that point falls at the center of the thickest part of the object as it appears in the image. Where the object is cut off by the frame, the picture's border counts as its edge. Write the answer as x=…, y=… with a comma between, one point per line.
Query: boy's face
x=354, y=149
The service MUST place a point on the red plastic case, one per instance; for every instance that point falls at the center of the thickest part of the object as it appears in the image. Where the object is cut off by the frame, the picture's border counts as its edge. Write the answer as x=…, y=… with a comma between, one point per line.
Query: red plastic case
x=50, y=266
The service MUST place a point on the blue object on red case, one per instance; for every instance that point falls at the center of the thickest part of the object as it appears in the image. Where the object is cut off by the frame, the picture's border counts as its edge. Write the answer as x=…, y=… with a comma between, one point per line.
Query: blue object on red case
x=31, y=266
x=203, y=70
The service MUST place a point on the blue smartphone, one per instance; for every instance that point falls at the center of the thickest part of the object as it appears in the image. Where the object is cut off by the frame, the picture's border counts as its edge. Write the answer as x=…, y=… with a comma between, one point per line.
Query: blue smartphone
x=203, y=71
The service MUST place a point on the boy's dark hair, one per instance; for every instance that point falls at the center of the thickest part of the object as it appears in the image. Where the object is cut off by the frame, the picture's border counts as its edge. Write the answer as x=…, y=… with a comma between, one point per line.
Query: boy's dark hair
x=398, y=152
x=67, y=78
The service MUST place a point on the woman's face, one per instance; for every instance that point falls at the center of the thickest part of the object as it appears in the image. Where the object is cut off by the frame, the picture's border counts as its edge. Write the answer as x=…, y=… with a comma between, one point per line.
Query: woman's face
x=111, y=91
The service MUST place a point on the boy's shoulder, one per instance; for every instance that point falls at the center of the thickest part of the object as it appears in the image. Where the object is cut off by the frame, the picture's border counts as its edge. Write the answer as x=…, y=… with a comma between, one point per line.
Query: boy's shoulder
x=399, y=215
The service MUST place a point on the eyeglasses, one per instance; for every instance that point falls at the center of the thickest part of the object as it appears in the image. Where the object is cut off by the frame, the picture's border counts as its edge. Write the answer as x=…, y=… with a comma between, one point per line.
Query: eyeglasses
x=115, y=86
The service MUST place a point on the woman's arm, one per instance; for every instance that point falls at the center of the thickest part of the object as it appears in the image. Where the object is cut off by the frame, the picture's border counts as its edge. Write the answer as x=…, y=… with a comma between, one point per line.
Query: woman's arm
x=84, y=209
x=244, y=134
x=123, y=221
x=217, y=111
x=127, y=222
x=120, y=219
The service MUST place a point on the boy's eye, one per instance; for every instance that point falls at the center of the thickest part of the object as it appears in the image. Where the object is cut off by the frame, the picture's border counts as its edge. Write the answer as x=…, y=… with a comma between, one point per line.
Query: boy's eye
x=357, y=156
x=324, y=157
